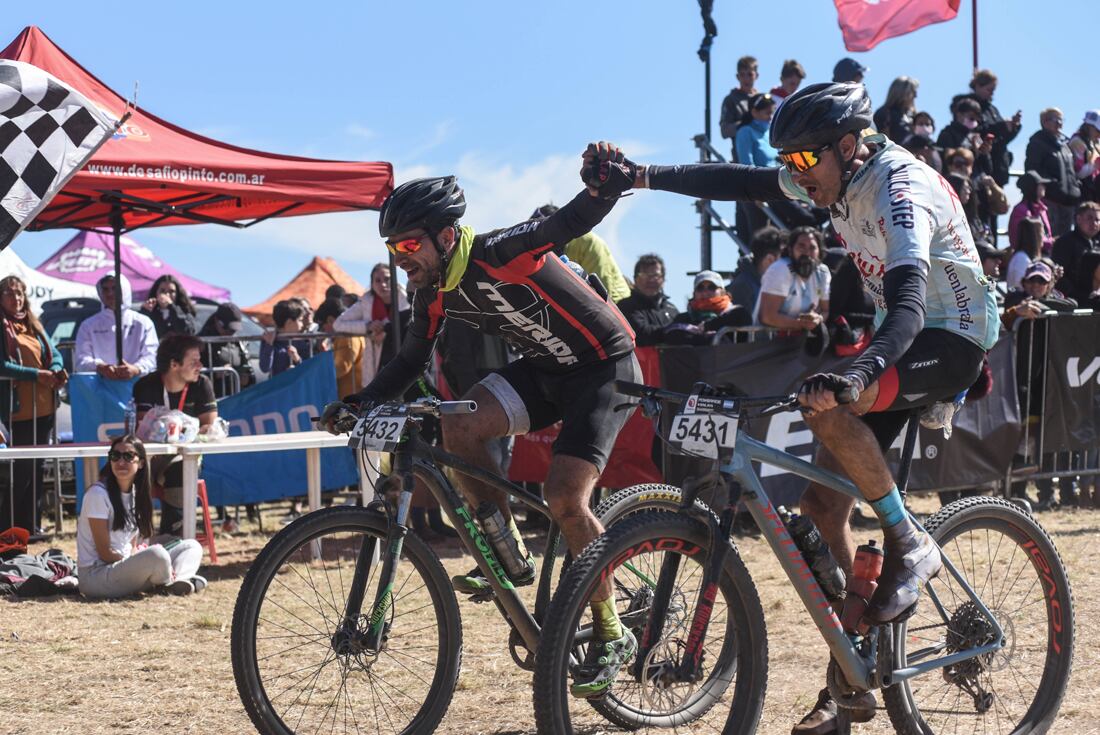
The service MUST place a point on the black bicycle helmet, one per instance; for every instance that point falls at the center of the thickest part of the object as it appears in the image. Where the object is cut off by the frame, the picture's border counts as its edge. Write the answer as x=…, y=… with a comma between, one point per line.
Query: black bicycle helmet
x=819, y=115
x=431, y=204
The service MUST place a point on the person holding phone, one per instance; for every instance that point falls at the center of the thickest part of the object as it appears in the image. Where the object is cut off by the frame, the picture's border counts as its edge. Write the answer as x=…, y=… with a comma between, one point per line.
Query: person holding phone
x=116, y=512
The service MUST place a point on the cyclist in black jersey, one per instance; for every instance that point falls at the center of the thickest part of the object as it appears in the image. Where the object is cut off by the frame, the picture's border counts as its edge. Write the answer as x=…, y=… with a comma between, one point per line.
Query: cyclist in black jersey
x=574, y=344
x=937, y=315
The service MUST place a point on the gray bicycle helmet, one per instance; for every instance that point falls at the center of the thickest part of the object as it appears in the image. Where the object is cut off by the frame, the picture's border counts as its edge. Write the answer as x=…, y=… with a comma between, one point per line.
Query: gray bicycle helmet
x=819, y=115
x=431, y=204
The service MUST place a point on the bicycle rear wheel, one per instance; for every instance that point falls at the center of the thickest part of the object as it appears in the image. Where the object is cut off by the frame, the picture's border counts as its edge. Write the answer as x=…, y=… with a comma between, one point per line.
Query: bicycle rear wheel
x=729, y=693
x=294, y=675
x=1012, y=565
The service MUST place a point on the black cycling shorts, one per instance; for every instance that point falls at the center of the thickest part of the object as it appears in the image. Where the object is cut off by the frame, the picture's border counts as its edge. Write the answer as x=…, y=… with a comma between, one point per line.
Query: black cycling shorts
x=584, y=400
x=938, y=366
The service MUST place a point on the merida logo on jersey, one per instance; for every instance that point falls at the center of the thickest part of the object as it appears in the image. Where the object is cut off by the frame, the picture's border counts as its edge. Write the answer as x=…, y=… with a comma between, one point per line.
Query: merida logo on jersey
x=901, y=206
x=536, y=332
x=517, y=230
x=962, y=299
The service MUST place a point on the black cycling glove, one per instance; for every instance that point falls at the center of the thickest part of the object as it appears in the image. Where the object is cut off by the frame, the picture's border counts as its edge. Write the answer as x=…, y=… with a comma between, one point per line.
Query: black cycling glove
x=339, y=417
x=845, y=389
x=607, y=170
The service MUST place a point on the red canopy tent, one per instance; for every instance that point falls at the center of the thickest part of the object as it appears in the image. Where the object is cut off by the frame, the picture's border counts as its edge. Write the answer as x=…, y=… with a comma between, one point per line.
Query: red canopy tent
x=153, y=173
x=160, y=174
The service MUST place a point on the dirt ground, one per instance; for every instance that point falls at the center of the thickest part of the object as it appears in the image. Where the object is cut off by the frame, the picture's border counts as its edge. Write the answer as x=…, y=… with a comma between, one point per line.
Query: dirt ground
x=161, y=665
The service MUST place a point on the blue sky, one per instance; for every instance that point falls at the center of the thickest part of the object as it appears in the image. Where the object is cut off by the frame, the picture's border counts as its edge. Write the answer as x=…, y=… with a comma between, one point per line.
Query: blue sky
x=506, y=95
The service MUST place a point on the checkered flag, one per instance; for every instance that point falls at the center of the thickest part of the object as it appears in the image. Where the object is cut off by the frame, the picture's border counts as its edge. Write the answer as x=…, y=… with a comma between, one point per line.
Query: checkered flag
x=47, y=132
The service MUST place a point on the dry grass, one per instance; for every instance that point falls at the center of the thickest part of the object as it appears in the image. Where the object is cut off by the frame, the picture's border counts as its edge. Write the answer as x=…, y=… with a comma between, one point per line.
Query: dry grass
x=161, y=664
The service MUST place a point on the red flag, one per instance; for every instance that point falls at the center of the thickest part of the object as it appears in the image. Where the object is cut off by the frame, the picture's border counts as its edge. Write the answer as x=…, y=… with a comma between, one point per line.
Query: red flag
x=866, y=23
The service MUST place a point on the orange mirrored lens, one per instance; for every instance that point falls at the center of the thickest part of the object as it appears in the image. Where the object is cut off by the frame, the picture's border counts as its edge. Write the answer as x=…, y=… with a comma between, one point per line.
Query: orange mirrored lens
x=799, y=161
x=404, y=246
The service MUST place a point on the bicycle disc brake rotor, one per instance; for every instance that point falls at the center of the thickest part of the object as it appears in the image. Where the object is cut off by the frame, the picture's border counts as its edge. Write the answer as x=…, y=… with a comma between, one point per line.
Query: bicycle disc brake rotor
x=664, y=690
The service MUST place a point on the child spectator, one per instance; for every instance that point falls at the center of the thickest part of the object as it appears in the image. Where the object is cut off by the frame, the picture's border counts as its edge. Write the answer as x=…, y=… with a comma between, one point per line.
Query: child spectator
x=116, y=511
x=278, y=355
x=790, y=79
x=170, y=307
x=347, y=351
x=1029, y=243
x=735, y=107
x=1033, y=187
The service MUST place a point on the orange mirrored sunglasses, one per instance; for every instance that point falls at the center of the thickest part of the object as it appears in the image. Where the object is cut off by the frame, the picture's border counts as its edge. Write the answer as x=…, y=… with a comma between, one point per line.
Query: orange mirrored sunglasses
x=411, y=245
x=800, y=161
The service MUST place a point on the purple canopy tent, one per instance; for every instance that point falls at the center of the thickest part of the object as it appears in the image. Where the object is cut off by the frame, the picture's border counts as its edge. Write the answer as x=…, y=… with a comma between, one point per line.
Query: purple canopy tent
x=91, y=255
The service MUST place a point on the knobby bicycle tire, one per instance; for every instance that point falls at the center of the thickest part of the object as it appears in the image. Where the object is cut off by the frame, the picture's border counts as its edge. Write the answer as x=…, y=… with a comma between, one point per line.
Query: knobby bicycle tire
x=744, y=653
x=384, y=705
x=968, y=529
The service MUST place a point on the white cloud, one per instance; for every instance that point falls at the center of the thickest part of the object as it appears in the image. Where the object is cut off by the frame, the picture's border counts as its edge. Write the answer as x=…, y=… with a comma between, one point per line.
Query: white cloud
x=360, y=131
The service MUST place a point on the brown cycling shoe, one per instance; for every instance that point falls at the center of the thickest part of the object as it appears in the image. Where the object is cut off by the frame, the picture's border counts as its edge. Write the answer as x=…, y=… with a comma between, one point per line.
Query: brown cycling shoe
x=822, y=718
x=912, y=558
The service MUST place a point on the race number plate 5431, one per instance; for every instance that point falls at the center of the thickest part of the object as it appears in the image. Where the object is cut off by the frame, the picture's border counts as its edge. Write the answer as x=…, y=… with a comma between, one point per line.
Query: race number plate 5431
x=703, y=434
x=378, y=433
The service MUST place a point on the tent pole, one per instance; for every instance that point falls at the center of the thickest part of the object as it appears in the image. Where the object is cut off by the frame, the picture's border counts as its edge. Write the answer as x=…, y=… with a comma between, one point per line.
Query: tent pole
x=395, y=304
x=116, y=226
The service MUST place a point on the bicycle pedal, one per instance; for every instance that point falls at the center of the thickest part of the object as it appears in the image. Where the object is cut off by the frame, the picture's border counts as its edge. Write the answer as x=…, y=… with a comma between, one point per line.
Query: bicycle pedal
x=486, y=596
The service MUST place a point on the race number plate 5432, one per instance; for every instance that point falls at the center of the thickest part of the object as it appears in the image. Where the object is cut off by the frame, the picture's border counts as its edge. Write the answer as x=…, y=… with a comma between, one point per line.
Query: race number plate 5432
x=378, y=433
x=703, y=434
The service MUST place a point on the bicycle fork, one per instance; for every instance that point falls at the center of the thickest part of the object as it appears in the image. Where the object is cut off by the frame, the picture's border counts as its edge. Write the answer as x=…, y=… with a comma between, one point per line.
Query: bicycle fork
x=690, y=666
x=349, y=633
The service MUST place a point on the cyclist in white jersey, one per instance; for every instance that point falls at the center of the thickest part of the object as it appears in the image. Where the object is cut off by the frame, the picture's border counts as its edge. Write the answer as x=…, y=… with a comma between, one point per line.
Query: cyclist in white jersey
x=904, y=227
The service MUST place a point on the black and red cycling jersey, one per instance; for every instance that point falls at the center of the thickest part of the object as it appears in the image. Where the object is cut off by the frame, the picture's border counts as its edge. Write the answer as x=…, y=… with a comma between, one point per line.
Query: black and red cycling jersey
x=509, y=283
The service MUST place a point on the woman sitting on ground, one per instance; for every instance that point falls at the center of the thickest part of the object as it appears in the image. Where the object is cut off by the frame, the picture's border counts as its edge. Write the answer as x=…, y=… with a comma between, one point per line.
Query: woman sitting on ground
x=116, y=511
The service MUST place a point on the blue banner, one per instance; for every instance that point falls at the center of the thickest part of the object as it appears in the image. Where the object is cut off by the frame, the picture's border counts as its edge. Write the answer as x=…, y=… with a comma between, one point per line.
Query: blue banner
x=284, y=403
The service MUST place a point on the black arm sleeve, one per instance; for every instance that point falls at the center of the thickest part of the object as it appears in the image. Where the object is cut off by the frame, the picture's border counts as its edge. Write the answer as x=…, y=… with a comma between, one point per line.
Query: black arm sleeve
x=721, y=181
x=904, y=288
x=574, y=219
x=398, y=374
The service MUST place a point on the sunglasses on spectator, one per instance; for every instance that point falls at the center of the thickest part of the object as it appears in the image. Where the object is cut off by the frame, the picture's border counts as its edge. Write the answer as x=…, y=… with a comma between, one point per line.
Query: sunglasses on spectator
x=411, y=245
x=128, y=457
x=706, y=286
x=800, y=161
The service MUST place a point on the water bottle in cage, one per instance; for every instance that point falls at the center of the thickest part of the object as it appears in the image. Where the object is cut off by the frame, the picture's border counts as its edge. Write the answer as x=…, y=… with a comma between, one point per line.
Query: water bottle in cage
x=503, y=542
x=816, y=553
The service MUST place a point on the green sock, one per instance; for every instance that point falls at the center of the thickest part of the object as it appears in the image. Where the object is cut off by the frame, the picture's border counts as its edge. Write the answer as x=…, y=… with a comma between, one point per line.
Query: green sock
x=606, y=619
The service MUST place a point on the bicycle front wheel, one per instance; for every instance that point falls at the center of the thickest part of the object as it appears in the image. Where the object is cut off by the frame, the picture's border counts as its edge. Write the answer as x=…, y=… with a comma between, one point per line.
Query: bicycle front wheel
x=726, y=695
x=296, y=674
x=1012, y=565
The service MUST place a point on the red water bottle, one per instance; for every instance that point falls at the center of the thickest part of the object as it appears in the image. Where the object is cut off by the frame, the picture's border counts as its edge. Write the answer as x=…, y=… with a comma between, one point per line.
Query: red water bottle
x=861, y=585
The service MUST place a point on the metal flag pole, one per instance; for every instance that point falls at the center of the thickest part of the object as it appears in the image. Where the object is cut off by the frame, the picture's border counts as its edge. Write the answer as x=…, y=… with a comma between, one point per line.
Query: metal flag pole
x=974, y=30
x=710, y=30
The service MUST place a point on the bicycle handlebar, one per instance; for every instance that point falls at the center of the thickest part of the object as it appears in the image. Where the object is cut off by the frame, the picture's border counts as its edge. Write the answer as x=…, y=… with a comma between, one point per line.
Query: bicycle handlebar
x=767, y=404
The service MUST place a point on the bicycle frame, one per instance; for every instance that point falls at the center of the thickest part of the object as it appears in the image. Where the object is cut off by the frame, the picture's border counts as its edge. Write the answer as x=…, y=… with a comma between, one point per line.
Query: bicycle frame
x=415, y=458
x=858, y=671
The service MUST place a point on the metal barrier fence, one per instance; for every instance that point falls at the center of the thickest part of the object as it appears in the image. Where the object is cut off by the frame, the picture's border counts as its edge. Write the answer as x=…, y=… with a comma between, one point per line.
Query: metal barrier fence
x=1039, y=461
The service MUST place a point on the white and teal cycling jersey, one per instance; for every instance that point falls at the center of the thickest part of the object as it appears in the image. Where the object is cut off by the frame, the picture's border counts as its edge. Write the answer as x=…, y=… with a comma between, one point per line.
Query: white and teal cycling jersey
x=899, y=211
